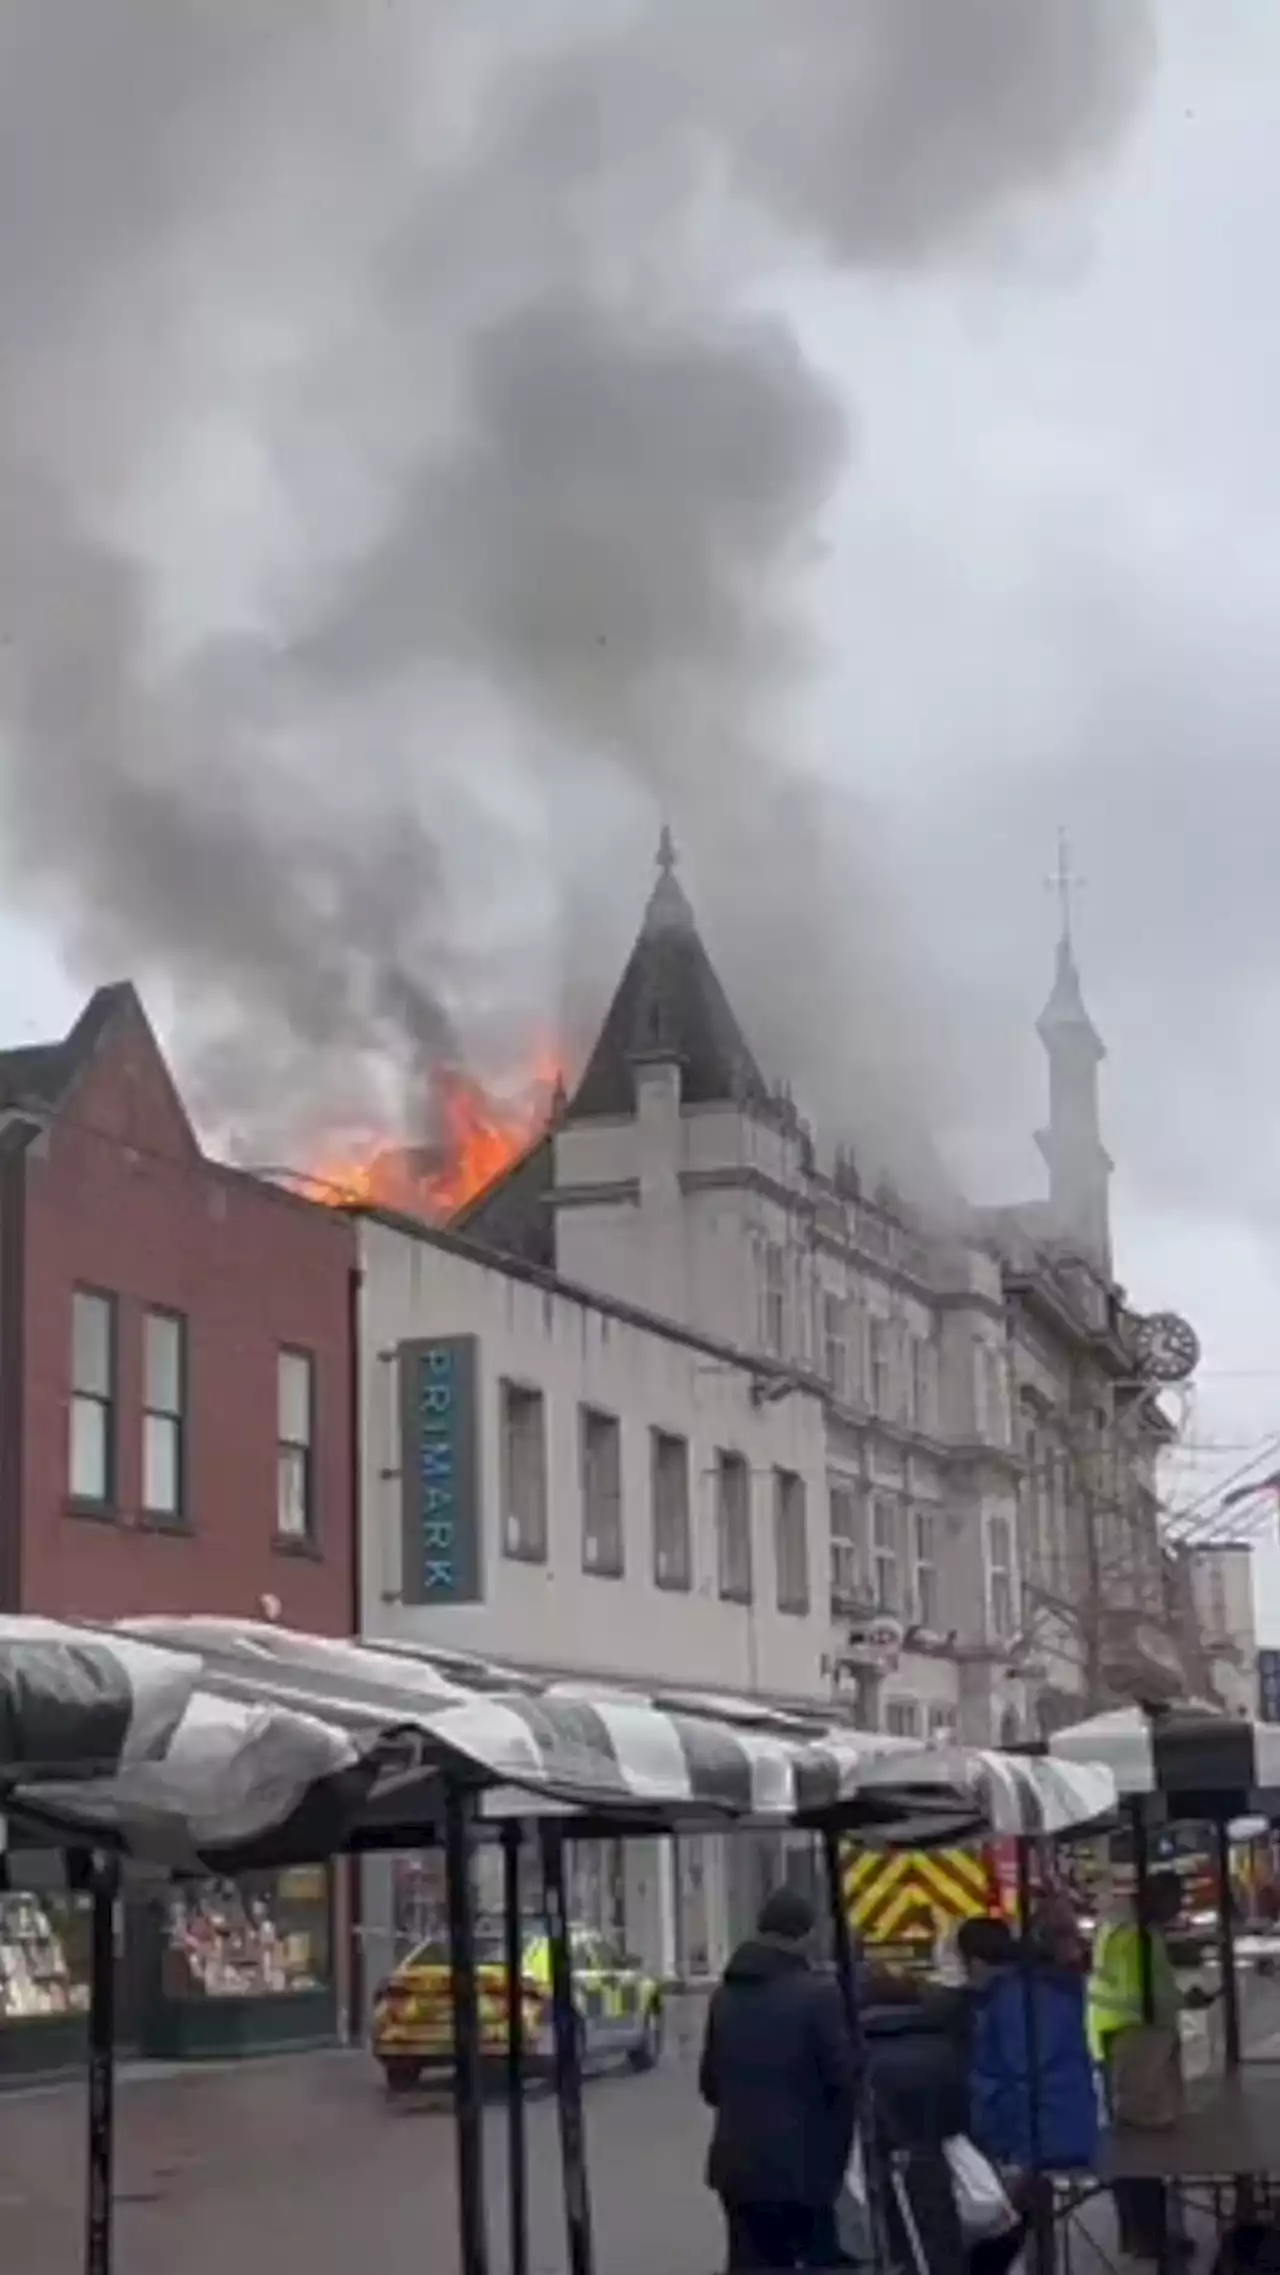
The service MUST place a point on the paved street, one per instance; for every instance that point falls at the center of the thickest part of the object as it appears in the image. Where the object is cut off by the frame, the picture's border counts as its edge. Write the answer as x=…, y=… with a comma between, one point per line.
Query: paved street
x=303, y=2164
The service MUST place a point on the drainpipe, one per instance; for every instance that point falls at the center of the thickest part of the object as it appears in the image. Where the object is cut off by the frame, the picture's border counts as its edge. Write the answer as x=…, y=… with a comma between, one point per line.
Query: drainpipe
x=352, y=1865
x=15, y=1138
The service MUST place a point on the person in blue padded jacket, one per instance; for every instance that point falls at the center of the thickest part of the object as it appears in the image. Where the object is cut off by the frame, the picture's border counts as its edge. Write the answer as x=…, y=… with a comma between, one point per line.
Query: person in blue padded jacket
x=1027, y=2011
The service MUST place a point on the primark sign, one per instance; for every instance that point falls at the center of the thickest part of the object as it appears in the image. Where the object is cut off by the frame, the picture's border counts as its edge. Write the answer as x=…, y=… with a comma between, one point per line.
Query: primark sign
x=440, y=1471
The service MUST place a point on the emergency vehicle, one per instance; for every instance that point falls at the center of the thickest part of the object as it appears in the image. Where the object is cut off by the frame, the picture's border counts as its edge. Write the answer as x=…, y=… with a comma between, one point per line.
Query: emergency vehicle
x=617, y=2003
x=905, y=1907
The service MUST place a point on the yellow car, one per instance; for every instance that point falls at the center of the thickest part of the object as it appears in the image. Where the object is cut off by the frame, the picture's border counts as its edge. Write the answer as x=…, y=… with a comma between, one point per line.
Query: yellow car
x=618, y=2006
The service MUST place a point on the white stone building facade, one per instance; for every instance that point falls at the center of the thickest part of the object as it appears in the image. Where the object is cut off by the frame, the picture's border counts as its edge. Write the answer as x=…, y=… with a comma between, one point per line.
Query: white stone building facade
x=1221, y=1576
x=737, y=1423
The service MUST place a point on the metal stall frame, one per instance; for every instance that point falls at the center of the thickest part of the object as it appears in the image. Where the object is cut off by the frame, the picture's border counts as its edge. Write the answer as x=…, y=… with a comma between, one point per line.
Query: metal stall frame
x=394, y=1775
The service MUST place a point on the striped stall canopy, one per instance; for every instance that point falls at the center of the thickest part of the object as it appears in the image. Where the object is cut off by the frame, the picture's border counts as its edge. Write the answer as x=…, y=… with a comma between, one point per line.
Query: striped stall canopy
x=188, y=1740
x=1181, y=1750
x=84, y=1700
x=1019, y=1796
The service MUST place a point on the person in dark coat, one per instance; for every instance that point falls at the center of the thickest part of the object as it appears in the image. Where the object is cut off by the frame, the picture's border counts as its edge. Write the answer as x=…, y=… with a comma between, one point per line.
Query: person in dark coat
x=917, y=2059
x=781, y=2069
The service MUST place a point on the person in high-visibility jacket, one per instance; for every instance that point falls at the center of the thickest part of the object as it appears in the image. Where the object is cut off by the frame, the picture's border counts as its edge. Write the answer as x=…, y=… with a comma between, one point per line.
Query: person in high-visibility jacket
x=1114, y=2004
x=1114, y=2000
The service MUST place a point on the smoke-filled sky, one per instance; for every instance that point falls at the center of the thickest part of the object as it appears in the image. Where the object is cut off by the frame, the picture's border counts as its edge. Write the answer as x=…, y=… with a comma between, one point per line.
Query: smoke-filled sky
x=439, y=439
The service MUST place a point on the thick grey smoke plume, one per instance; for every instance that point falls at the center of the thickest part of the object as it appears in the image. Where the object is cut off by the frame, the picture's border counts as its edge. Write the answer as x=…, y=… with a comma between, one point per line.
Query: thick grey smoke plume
x=410, y=489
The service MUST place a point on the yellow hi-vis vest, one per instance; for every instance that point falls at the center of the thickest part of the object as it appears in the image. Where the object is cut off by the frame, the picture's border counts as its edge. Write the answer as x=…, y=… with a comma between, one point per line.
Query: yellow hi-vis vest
x=1114, y=1997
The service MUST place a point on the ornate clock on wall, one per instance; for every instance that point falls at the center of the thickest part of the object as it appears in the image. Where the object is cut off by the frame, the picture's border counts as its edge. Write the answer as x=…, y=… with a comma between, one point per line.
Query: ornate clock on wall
x=1167, y=1348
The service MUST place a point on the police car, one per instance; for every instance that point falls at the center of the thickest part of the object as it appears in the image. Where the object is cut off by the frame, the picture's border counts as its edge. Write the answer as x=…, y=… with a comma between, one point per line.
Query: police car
x=617, y=2004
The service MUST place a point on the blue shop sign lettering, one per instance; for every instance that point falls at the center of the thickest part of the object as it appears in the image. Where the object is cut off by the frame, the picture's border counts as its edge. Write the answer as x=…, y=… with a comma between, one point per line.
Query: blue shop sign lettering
x=440, y=1471
x=437, y=1423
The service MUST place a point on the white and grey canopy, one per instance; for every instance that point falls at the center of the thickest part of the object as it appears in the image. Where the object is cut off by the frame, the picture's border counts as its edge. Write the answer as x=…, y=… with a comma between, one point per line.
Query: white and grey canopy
x=1203, y=1760
x=1019, y=1795
x=189, y=1740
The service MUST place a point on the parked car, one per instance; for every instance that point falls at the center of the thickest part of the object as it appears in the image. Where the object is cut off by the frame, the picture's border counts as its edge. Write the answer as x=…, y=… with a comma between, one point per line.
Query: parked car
x=618, y=2006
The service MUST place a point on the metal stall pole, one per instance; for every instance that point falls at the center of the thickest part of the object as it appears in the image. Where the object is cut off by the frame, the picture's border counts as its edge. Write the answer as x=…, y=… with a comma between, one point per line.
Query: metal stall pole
x=1141, y=1873
x=842, y=1946
x=1245, y=2193
x=1227, y=1951
x=1146, y=1980
x=1041, y=2206
x=468, y=2100
x=568, y=2052
x=104, y=1881
x=841, y=1940
x=517, y=2158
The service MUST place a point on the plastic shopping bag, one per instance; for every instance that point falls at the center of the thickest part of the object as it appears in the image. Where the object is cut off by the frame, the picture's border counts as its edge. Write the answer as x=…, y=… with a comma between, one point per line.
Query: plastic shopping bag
x=981, y=2196
x=853, y=2212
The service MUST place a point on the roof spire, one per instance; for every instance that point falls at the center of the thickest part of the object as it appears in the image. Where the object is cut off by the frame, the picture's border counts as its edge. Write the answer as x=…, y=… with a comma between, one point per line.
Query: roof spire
x=1078, y=1163
x=1065, y=885
x=668, y=909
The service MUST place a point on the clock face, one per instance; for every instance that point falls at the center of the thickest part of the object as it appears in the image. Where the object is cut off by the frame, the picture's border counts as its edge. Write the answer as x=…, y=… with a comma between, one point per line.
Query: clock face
x=1168, y=1348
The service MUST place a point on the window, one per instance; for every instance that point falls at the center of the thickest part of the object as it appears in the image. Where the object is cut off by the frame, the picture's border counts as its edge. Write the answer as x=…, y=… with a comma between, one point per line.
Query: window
x=902, y=1718
x=600, y=1455
x=884, y=1553
x=295, y=1477
x=672, y=1546
x=922, y=1383
x=848, y=1570
x=925, y=1529
x=942, y=1725
x=1000, y=1578
x=774, y=1299
x=878, y=1343
x=835, y=1344
x=524, y=1473
x=1068, y=1520
x=733, y=1528
x=790, y=1541
x=164, y=1393
x=91, y=1461
x=993, y=1400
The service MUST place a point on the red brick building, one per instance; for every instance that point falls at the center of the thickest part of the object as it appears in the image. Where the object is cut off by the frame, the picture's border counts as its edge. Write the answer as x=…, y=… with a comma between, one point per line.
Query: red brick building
x=176, y=1362
x=176, y=1376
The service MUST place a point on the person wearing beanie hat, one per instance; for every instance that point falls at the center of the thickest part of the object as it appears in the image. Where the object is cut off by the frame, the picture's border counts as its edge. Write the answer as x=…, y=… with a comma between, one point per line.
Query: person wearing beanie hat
x=781, y=2071
x=787, y=1917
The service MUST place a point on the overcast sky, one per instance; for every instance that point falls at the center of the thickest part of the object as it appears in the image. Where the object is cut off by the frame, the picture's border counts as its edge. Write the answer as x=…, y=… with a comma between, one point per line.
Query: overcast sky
x=423, y=466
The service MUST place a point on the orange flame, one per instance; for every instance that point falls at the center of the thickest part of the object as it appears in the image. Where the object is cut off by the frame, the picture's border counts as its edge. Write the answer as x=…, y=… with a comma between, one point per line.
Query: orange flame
x=480, y=1134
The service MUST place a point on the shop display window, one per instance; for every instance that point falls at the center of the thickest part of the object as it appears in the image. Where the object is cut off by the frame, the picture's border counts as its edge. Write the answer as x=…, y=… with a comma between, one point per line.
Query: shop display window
x=44, y=1957
x=264, y=1936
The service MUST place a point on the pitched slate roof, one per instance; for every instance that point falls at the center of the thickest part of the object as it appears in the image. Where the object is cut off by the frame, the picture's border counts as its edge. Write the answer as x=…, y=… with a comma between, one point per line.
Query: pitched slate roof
x=513, y=1216
x=41, y=1074
x=669, y=1004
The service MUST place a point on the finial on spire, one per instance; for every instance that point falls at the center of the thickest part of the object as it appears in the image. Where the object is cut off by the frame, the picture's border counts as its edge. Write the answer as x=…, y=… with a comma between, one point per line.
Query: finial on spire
x=1065, y=885
x=668, y=909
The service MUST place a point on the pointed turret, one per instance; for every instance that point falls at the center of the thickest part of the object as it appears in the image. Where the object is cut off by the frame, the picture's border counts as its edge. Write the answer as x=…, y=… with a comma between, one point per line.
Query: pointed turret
x=669, y=1005
x=1078, y=1163
x=1064, y=1015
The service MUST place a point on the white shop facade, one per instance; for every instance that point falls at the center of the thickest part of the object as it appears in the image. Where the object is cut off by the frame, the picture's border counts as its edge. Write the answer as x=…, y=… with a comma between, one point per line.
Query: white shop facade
x=563, y=1484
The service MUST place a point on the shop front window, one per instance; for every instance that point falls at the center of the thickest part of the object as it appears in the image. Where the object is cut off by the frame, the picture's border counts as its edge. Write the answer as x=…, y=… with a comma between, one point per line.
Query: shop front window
x=266, y=1935
x=44, y=1957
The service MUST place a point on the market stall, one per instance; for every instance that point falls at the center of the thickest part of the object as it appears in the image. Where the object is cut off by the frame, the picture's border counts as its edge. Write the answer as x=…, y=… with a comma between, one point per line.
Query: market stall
x=44, y=1982
x=216, y=1748
x=1179, y=1764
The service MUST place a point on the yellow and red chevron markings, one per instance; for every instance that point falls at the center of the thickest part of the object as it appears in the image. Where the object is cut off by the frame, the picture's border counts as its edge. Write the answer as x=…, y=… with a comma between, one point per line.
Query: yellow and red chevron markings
x=916, y=1894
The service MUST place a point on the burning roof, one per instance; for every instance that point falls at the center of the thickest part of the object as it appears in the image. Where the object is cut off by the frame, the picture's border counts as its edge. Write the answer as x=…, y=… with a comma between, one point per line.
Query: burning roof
x=478, y=1134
